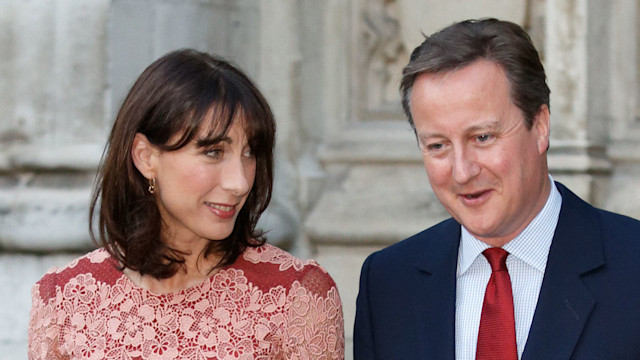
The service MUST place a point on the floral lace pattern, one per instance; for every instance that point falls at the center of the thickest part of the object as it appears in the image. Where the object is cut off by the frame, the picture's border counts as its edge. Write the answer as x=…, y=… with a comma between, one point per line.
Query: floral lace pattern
x=90, y=310
x=276, y=256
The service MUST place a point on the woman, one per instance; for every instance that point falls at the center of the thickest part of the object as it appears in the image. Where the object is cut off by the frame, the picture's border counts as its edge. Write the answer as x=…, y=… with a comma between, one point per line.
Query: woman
x=183, y=273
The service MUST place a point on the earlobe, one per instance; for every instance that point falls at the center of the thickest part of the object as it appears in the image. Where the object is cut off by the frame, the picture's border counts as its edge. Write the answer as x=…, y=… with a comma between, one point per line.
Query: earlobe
x=143, y=155
x=542, y=127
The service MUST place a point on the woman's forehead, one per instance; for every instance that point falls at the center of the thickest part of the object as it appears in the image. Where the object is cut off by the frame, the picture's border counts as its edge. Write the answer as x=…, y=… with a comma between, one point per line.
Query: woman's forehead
x=214, y=128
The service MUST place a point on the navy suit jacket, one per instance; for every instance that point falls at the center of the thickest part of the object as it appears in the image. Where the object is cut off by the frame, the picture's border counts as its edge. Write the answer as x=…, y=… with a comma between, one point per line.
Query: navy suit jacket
x=588, y=308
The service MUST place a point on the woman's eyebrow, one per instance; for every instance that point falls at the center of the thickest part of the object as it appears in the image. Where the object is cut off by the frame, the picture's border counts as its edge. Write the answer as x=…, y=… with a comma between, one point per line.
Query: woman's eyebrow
x=202, y=142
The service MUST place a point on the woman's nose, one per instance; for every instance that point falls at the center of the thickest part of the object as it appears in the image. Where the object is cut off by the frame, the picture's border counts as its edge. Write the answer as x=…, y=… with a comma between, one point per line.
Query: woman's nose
x=235, y=177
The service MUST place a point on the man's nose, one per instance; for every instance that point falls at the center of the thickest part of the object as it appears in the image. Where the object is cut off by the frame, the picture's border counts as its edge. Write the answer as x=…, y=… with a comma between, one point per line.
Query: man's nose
x=465, y=166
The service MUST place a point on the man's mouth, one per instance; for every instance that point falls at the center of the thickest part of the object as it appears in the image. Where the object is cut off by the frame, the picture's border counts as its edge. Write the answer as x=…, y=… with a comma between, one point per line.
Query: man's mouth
x=474, y=195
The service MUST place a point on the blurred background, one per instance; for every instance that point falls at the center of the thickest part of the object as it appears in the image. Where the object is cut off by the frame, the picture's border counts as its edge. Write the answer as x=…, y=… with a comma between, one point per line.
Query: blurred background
x=349, y=177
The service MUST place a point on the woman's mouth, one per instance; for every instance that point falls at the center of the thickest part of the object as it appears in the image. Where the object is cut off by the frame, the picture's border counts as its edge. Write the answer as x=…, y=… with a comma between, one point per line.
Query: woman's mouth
x=220, y=207
x=224, y=211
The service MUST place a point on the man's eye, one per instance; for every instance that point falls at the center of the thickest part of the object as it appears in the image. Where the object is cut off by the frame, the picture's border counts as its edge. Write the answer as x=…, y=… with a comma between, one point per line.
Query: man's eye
x=483, y=137
x=434, y=147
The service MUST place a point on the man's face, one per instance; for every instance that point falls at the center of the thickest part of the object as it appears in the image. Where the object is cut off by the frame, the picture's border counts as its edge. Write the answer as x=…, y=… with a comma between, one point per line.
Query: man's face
x=484, y=165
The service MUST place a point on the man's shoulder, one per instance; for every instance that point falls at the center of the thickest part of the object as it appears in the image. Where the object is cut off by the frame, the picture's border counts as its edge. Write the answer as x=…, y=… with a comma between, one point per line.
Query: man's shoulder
x=610, y=216
x=613, y=232
x=618, y=225
x=605, y=217
x=413, y=247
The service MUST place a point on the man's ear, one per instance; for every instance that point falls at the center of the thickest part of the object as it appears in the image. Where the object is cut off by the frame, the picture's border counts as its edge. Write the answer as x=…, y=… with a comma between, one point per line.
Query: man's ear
x=144, y=154
x=541, y=125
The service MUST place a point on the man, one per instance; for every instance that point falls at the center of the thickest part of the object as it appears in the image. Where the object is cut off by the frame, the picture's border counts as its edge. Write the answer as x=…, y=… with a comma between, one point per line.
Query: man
x=475, y=93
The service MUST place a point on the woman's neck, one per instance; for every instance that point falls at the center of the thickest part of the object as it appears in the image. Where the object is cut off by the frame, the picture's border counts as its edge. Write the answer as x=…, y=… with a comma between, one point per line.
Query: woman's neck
x=196, y=269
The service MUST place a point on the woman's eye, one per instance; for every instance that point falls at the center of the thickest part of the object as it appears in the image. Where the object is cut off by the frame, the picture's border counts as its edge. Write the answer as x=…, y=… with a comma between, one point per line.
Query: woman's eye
x=214, y=153
x=248, y=153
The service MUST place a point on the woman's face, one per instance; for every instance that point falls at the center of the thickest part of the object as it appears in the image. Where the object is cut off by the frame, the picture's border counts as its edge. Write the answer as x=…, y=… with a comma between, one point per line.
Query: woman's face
x=202, y=186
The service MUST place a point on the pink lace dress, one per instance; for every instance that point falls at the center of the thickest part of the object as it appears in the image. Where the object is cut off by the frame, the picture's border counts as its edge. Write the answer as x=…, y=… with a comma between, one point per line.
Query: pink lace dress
x=267, y=305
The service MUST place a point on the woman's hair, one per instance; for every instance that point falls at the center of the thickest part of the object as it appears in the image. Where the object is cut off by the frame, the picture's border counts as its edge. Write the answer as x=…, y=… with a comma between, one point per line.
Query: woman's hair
x=178, y=96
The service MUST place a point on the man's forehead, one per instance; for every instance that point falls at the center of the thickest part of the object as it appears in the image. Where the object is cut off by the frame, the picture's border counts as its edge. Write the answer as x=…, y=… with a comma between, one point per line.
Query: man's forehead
x=481, y=82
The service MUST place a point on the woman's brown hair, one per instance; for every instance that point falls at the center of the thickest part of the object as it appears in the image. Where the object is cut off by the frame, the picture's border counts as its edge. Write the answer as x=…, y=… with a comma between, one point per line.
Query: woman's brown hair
x=180, y=94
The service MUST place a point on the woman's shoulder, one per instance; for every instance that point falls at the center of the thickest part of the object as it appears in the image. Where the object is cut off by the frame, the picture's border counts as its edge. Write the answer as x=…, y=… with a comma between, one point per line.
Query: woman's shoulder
x=93, y=260
x=95, y=265
x=270, y=264
x=269, y=254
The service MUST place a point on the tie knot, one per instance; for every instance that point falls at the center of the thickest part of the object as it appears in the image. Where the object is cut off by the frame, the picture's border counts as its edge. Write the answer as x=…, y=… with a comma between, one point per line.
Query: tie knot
x=497, y=258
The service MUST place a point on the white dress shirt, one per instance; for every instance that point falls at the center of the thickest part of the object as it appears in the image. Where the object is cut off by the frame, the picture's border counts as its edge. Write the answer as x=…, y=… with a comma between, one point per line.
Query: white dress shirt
x=526, y=263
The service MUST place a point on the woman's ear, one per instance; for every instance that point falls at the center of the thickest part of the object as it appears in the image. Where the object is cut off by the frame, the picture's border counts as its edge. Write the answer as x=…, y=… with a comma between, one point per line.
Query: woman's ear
x=143, y=154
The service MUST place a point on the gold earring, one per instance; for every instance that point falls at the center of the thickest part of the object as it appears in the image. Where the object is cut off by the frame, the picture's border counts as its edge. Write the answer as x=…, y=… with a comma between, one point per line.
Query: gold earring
x=152, y=185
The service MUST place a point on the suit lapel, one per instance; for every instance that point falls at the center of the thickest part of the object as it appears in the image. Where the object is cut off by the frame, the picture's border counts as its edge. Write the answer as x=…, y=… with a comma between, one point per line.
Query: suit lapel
x=435, y=295
x=564, y=304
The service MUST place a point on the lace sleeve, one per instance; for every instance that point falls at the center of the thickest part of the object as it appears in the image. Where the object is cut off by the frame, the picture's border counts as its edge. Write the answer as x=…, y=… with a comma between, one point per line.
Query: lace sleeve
x=44, y=329
x=316, y=326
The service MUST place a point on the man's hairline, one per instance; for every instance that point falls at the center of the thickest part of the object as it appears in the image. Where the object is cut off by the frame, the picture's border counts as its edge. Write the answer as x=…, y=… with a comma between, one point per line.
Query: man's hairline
x=409, y=90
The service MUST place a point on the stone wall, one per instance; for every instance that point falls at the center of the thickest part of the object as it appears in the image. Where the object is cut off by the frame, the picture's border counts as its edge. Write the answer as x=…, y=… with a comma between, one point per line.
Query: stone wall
x=349, y=178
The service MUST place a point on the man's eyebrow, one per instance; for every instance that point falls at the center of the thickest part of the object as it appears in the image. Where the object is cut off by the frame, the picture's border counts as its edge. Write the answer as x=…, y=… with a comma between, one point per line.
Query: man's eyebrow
x=486, y=126
x=428, y=135
x=490, y=125
x=203, y=142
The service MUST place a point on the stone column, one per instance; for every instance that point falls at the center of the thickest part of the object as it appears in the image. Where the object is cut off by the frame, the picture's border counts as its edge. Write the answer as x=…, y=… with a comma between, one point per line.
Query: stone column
x=53, y=66
x=576, y=67
x=278, y=77
x=624, y=105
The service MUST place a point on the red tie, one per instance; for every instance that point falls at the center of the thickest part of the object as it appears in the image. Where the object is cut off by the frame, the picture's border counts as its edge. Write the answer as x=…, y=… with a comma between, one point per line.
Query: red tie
x=497, y=334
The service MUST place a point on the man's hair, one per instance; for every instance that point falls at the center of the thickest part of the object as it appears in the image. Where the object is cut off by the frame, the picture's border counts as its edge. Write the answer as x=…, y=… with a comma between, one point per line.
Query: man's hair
x=501, y=42
x=178, y=96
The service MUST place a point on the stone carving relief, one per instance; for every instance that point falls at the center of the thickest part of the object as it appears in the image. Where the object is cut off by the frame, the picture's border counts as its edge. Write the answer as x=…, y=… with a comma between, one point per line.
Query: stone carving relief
x=383, y=55
x=386, y=31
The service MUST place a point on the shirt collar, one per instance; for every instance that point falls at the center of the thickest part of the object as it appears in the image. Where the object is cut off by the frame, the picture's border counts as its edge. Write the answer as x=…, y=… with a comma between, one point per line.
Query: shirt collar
x=531, y=245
